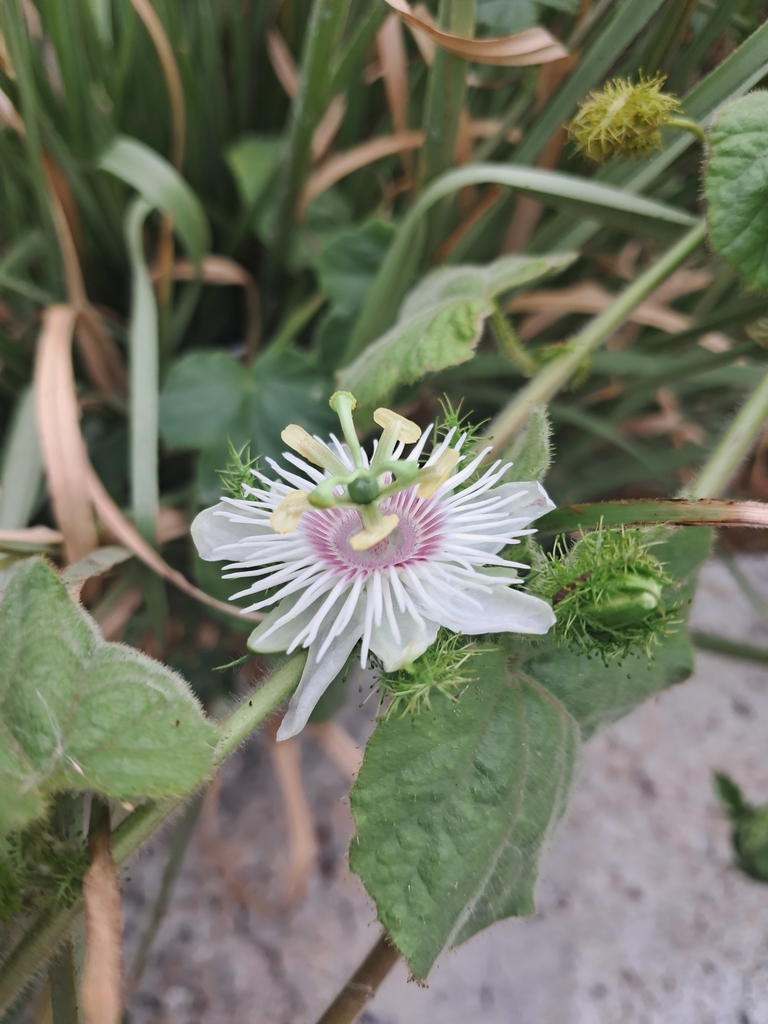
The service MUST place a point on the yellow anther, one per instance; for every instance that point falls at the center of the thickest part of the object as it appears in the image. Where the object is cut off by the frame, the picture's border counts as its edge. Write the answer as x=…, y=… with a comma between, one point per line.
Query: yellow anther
x=286, y=516
x=311, y=449
x=403, y=429
x=433, y=477
x=373, y=534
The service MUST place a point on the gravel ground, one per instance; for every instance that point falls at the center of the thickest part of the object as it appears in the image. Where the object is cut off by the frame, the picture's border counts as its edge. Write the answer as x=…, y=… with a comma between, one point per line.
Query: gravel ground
x=641, y=916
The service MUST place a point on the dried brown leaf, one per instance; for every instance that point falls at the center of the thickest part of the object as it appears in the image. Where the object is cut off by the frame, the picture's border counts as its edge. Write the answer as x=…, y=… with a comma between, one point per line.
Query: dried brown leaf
x=393, y=59
x=283, y=64
x=123, y=531
x=66, y=461
x=223, y=271
x=534, y=46
x=103, y=936
x=337, y=167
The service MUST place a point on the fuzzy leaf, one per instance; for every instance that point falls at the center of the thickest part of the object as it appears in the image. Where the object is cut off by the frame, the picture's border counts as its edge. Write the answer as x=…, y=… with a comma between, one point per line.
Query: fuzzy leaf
x=735, y=185
x=531, y=451
x=596, y=694
x=79, y=713
x=440, y=324
x=453, y=807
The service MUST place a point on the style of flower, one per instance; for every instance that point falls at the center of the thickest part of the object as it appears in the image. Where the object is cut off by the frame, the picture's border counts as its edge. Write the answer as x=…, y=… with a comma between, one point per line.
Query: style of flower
x=383, y=551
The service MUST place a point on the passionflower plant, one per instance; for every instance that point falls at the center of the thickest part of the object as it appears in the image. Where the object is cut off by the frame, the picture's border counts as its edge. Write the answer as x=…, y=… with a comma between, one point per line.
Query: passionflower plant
x=383, y=550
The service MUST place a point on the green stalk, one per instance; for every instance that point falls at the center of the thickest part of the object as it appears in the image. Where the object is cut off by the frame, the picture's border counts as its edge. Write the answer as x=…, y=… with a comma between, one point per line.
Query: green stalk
x=62, y=977
x=321, y=44
x=21, y=55
x=555, y=375
x=730, y=648
x=510, y=344
x=354, y=52
x=721, y=466
x=446, y=90
x=45, y=933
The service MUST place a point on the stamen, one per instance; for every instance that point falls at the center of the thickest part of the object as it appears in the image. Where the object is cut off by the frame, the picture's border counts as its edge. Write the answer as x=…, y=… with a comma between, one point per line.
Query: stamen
x=371, y=535
x=286, y=516
x=310, y=448
x=431, y=478
x=396, y=428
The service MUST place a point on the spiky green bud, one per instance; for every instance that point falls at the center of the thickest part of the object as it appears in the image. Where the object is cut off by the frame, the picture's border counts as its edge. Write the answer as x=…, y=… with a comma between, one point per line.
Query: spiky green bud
x=624, y=118
x=607, y=593
x=238, y=472
x=441, y=669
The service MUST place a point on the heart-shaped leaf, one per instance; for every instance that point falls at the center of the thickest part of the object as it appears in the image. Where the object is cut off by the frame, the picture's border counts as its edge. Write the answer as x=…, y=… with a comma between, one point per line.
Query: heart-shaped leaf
x=736, y=184
x=79, y=713
x=440, y=323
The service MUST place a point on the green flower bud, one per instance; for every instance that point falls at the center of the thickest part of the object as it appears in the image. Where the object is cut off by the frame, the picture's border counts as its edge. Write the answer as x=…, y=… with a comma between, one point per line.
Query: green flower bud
x=607, y=593
x=627, y=601
x=363, y=489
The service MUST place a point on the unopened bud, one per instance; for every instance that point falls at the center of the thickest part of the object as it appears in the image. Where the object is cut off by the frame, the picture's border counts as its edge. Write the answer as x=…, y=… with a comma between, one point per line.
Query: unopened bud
x=626, y=601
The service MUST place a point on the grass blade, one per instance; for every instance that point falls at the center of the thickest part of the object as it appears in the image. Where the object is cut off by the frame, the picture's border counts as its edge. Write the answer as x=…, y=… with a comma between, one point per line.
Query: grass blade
x=22, y=472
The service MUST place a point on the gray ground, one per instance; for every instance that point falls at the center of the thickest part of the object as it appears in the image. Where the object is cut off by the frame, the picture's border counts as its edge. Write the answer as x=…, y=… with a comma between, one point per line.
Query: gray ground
x=641, y=916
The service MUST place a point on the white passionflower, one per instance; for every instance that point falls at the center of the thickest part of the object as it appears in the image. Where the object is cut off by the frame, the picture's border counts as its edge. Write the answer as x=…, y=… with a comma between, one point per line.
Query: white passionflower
x=382, y=551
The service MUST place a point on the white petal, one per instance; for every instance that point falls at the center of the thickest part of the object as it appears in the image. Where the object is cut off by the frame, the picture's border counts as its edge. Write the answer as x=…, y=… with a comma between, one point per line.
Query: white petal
x=504, y=610
x=415, y=637
x=280, y=639
x=318, y=676
x=215, y=536
x=532, y=501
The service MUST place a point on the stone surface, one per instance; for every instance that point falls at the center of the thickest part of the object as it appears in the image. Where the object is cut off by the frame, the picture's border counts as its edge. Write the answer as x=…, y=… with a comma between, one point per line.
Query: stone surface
x=641, y=919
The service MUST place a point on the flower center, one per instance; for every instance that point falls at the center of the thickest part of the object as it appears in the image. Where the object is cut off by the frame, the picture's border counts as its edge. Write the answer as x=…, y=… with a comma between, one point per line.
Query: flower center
x=417, y=536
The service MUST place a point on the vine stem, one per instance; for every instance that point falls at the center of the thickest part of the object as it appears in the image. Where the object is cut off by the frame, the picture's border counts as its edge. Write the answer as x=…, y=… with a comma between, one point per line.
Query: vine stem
x=725, y=460
x=48, y=930
x=363, y=984
x=556, y=374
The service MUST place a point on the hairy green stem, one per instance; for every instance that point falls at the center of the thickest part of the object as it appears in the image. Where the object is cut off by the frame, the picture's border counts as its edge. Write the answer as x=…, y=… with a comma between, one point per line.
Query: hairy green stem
x=510, y=343
x=720, y=467
x=62, y=978
x=321, y=43
x=47, y=931
x=555, y=375
x=730, y=648
x=363, y=984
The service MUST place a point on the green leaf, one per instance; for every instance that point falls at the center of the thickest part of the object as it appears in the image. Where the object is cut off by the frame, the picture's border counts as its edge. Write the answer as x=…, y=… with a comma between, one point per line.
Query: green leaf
x=22, y=472
x=531, y=451
x=440, y=324
x=210, y=398
x=254, y=161
x=612, y=206
x=161, y=186
x=78, y=713
x=453, y=807
x=347, y=263
x=736, y=184
x=144, y=349
x=596, y=694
